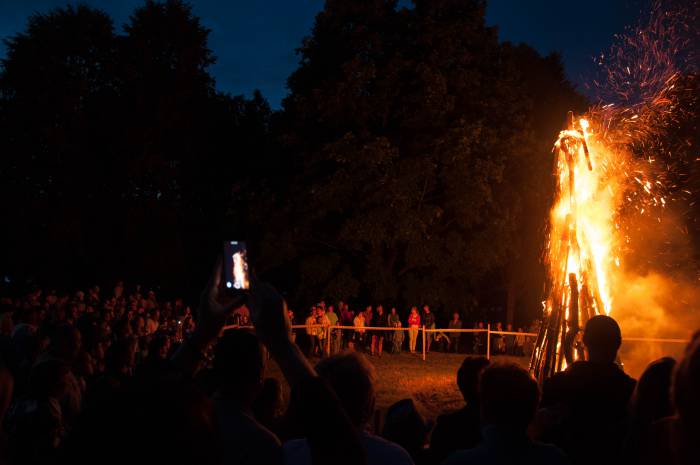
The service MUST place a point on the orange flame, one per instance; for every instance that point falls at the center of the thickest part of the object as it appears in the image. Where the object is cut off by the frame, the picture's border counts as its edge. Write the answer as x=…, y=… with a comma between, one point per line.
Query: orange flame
x=582, y=217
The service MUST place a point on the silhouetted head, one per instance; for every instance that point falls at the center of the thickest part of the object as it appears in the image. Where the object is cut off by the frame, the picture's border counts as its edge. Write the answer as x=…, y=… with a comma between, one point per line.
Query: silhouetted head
x=153, y=420
x=686, y=386
x=48, y=379
x=468, y=377
x=239, y=365
x=651, y=400
x=28, y=315
x=352, y=378
x=508, y=396
x=602, y=338
x=405, y=426
x=120, y=357
x=159, y=347
x=122, y=328
x=65, y=342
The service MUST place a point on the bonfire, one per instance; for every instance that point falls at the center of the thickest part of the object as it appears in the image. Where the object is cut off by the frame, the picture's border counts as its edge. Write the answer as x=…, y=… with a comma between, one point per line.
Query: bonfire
x=579, y=250
x=609, y=161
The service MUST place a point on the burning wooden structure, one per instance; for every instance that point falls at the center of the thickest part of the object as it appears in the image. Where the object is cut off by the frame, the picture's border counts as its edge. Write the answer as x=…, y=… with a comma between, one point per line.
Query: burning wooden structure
x=576, y=253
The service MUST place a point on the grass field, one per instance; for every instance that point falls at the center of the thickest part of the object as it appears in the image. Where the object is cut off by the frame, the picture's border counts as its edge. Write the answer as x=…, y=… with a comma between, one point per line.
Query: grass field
x=431, y=384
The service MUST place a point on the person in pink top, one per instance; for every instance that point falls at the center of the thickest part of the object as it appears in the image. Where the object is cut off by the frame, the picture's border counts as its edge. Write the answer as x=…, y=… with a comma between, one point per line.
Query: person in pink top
x=413, y=325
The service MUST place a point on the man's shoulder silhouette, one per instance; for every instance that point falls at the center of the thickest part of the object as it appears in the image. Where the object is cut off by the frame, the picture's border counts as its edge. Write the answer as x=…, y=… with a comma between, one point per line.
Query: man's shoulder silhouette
x=589, y=396
x=588, y=379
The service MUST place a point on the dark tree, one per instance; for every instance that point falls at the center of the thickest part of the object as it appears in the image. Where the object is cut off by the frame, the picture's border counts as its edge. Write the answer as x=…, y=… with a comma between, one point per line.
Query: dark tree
x=166, y=91
x=57, y=83
x=414, y=133
x=120, y=160
x=529, y=179
x=406, y=166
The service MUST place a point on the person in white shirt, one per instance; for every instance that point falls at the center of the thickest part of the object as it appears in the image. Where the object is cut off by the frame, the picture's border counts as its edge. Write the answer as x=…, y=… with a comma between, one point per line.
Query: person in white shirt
x=311, y=332
x=322, y=332
x=359, y=337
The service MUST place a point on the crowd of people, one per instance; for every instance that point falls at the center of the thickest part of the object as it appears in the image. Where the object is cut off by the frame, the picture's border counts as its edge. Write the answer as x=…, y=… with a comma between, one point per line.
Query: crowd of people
x=328, y=332
x=125, y=378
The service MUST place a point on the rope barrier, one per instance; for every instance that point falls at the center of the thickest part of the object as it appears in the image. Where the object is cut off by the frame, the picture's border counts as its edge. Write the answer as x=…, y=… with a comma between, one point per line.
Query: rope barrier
x=327, y=330
x=456, y=330
x=655, y=339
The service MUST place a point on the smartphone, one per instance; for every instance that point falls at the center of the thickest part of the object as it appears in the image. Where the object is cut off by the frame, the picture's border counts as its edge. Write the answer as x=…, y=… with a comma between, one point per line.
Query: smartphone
x=236, y=266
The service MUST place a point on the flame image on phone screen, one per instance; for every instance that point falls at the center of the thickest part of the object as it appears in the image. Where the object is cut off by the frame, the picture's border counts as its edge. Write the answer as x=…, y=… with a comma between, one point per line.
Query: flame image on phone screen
x=236, y=266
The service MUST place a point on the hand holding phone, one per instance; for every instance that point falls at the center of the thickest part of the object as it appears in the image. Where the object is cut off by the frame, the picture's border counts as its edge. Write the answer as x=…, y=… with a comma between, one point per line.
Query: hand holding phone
x=214, y=306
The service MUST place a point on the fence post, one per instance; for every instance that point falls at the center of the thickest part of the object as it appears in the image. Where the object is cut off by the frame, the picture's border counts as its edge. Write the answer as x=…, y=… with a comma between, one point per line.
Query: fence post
x=423, y=342
x=328, y=340
x=488, y=341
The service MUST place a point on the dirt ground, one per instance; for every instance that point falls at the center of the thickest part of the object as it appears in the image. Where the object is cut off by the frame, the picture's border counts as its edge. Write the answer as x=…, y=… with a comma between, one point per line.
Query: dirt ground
x=431, y=384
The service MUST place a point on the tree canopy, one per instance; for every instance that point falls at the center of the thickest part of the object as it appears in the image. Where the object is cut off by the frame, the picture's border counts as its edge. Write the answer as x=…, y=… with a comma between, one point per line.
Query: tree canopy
x=419, y=144
x=118, y=155
x=410, y=162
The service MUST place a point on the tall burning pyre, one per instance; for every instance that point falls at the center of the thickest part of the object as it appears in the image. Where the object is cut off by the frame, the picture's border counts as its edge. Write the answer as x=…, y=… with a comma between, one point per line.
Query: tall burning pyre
x=577, y=252
x=613, y=167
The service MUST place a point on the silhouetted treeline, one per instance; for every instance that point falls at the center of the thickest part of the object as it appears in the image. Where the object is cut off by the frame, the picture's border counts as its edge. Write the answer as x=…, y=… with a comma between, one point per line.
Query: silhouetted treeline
x=119, y=158
x=410, y=162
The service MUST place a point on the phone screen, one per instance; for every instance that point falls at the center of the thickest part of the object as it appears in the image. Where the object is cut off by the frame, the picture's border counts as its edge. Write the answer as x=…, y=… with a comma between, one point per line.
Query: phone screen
x=236, y=266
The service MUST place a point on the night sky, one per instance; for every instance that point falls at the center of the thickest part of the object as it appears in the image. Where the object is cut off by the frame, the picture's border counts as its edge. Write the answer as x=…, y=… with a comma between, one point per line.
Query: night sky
x=255, y=41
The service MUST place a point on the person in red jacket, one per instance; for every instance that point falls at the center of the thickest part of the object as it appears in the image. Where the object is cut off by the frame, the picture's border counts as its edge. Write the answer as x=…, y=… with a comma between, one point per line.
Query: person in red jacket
x=413, y=325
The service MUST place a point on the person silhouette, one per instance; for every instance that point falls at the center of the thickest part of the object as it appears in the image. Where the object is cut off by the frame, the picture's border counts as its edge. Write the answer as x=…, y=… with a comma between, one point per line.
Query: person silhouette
x=590, y=395
x=674, y=440
x=508, y=397
x=460, y=429
x=651, y=401
x=352, y=378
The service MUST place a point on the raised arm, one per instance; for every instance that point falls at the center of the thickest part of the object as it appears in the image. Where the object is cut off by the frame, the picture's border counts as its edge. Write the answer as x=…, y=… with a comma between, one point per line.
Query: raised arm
x=271, y=320
x=330, y=433
x=215, y=304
